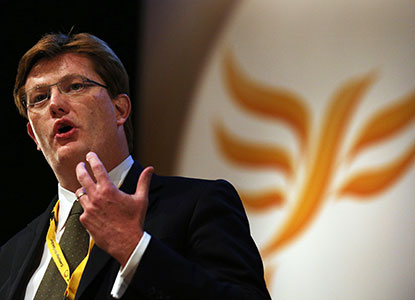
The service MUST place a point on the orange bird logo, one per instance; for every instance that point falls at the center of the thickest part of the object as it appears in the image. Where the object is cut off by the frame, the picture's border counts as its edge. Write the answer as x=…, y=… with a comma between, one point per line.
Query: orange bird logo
x=320, y=157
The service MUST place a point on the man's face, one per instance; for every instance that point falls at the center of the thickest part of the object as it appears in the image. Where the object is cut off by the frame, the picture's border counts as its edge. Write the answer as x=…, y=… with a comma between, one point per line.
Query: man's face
x=67, y=127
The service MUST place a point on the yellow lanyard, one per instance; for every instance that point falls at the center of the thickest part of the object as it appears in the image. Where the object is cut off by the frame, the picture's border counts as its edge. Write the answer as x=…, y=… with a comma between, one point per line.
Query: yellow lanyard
x=57, y=255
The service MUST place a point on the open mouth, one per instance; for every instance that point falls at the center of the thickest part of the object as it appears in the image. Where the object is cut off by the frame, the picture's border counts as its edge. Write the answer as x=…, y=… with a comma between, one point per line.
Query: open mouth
x=65, y=129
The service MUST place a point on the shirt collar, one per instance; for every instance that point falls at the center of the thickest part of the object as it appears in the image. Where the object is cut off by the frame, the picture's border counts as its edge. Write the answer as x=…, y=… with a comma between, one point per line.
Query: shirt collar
x=67, y=198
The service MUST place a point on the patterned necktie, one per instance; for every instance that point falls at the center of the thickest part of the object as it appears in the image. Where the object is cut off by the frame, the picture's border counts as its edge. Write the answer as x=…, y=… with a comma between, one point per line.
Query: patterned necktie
x=74, y=244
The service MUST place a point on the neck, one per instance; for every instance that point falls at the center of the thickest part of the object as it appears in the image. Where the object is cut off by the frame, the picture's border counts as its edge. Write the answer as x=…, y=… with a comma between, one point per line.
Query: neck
x=66, y=171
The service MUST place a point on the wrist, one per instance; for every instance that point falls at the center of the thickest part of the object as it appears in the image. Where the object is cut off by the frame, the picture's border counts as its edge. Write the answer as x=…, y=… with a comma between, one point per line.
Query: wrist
x=125, y=249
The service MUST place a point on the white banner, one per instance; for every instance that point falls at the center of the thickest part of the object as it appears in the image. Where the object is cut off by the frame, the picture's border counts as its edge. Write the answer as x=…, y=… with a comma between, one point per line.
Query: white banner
x=308, y=108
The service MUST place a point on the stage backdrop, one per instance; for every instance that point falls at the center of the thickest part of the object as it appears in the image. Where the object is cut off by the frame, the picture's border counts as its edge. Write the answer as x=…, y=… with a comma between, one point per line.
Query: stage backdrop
x=308, y=108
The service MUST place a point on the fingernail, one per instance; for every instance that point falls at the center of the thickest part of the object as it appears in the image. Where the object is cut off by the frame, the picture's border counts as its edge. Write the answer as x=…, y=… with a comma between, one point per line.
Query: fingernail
x=88, y=156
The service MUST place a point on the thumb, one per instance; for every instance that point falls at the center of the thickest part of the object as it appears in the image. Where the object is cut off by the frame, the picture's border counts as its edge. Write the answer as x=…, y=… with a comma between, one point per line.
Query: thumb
x=143, y=185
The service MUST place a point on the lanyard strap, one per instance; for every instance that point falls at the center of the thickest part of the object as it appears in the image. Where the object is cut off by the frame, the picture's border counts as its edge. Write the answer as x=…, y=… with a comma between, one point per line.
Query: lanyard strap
x=72, y=280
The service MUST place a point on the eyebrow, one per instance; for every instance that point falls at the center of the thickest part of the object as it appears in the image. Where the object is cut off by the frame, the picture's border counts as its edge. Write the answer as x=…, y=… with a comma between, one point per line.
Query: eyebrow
x=45, y=85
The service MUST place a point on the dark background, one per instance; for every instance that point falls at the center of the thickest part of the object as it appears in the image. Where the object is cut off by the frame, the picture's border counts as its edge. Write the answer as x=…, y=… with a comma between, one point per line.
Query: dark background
x=28, y=184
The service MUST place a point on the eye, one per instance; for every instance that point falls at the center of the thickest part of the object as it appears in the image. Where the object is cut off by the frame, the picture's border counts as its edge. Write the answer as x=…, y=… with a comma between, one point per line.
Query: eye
x=37, y=98
x=71, y=85
x=76, y=86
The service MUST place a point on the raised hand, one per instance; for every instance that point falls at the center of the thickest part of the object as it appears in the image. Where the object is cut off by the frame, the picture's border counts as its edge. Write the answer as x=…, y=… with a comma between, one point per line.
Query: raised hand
x=113, y=218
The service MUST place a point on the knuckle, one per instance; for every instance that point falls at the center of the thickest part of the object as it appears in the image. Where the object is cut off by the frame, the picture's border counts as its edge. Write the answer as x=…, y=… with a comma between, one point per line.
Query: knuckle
x=96, y=168
x=82, y=176
x=105, y=191
x=84, y=218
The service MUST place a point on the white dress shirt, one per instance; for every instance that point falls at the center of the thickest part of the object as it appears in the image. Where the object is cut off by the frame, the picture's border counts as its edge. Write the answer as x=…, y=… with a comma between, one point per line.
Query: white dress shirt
x=66, y=200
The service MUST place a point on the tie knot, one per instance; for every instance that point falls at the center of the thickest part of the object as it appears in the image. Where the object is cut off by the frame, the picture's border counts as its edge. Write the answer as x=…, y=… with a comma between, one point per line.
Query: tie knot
x=76, y=209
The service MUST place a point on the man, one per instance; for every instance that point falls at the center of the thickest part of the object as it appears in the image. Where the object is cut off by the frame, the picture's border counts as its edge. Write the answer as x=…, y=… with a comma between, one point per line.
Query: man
x=147, y=236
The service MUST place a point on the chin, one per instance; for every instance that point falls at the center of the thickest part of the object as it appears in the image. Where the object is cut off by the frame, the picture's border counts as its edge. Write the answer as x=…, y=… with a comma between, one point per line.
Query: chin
x=72, y=153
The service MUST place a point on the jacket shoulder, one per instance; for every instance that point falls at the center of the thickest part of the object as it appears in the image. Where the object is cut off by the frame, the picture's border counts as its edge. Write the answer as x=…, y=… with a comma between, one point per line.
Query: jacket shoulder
x=190, y=197
x=15, y=252
x=194, y=185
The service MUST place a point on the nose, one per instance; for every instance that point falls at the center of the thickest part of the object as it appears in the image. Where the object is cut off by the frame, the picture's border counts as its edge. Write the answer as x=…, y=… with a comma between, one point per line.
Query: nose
x=58, y=104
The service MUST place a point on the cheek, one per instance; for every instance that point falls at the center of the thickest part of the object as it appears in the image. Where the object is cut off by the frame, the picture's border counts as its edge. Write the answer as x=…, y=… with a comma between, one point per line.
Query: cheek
x=39, y=131
x=105, y=106
x=99, y=113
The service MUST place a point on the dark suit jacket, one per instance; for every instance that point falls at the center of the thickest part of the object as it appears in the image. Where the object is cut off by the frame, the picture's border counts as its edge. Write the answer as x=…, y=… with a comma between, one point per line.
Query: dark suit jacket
x=200, y=248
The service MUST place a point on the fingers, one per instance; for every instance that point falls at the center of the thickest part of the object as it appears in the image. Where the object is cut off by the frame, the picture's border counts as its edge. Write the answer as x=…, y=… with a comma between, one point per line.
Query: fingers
x=98, y=169
x=102, y=177
x=79, y=193
x=81, y=196
x=143, y=185
x=83, y=177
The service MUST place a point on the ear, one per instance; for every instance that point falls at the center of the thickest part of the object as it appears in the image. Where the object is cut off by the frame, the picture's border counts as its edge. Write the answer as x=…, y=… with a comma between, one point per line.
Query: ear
x=122, y=105
x=31, y=133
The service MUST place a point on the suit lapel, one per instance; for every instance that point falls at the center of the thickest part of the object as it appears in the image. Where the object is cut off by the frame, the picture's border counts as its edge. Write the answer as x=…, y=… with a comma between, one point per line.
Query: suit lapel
x=34, y=241
x=98, y=257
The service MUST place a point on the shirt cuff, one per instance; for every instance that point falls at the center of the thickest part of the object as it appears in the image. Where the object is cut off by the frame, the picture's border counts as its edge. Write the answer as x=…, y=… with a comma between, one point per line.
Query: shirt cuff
x=125, y=274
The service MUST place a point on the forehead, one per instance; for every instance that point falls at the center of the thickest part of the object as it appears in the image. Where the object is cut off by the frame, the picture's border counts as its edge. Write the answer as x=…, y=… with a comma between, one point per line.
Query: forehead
x=51, y=70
